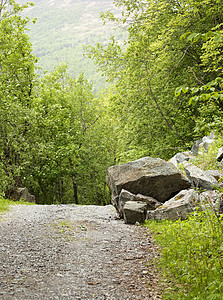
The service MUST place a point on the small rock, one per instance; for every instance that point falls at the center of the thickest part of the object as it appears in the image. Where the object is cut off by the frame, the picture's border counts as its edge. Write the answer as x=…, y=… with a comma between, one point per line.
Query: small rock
x=177, y=207
x=198, y=178
x=215, y=173
x=134, y=212
x=220, y=154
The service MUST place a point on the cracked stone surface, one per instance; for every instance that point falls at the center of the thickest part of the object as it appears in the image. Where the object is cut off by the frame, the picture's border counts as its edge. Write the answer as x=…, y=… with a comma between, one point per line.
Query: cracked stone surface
x=74, y=252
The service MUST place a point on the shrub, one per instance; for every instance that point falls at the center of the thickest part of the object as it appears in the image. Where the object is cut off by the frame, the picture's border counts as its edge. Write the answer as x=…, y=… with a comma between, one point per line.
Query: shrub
x=192, y=254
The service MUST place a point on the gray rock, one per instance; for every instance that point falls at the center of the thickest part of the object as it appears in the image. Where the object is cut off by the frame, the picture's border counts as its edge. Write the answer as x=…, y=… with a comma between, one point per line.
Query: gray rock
x=151, y=202
x=134, y=211
x=198, y=178
x=21, y=194
x=124, y=197
x=195, y=147
x=220, y=154
x=177, y=207
x=211, y=200
x=181, y=157
x=206, y=142
x=202, y=145
x=148, y=176
x=215, y=173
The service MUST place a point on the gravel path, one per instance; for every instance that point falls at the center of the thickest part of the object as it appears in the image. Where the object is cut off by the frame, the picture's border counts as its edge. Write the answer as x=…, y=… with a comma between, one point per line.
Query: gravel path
x=74, y=252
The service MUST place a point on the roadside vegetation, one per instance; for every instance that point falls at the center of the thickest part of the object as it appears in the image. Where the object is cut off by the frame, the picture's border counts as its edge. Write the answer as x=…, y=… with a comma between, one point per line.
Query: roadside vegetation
x=5, y=204
x=206, y=160
x=192, y=249
x=192, y=255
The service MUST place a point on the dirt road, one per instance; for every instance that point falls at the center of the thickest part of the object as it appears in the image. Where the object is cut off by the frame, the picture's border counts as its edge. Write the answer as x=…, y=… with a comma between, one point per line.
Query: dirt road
x=74, y=252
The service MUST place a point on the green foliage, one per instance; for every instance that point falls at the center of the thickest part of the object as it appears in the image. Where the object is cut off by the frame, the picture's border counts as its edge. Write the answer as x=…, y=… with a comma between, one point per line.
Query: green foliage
x=207, y=160
x=54, y=135
x=207, y=97
x=153, y=63
x=5, y=203
x=67, y=149
x=192, y=255
x=17, y=73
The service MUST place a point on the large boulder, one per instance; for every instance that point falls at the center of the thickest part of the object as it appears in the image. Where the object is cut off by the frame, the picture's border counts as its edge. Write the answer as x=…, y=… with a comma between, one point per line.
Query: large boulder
x=147, y=176
x=185, y=202
x=134, y=211
x=20, y=193
x=198, y=177
x=177, y=207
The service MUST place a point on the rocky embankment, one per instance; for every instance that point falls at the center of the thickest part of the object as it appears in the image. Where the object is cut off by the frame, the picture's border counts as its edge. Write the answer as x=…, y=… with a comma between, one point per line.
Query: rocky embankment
x=151, y=188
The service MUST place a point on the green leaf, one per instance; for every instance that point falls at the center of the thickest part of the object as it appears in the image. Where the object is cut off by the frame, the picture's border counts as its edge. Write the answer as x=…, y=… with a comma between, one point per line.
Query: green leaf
x=194, y=37
x=218, y=38
x=185, y=89
x=191, y=101
x=178, y=91
x=207, y=35
x=185, y=35
x=195, y=90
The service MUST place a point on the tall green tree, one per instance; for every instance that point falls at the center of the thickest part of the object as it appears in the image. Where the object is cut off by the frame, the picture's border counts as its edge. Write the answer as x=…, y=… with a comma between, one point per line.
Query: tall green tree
x=16, y=83
x=154, y=61
x=207, y=96
x=54, y=135
x=67, y=150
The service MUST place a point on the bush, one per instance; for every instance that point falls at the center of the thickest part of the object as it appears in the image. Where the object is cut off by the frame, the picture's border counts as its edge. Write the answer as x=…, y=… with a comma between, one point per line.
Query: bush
x=192, y=254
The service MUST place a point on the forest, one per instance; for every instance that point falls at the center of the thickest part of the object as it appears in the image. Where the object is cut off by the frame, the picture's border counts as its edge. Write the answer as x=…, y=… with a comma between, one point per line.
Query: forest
x=57, y=137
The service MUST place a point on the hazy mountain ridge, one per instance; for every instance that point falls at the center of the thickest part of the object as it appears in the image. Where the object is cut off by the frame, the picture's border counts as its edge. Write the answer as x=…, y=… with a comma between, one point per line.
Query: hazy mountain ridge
x=61, y=30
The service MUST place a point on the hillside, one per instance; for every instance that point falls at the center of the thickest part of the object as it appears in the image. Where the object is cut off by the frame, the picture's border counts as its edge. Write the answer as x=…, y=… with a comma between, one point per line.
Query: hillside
x=61, y=30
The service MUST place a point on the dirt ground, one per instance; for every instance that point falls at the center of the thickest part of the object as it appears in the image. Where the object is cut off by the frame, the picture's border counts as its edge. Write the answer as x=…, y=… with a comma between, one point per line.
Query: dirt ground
x=74, y=252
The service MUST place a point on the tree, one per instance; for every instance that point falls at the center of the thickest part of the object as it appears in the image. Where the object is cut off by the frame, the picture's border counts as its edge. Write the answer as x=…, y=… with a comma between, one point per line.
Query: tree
x=207, y=96
x=67, y=154
x=54, y=137
x=16, y=82
x=154, y=61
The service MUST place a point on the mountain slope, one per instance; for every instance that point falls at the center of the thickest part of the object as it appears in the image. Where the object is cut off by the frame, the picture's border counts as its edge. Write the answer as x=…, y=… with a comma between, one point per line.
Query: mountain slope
x=61, y=30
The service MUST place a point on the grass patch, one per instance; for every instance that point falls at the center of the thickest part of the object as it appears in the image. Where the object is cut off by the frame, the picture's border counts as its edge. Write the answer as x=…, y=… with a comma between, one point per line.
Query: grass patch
x=5, y=203
x=192, y=255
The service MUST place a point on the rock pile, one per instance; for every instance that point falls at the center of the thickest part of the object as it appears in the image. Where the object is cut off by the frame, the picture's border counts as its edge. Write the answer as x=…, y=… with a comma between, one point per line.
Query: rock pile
x=155, y=189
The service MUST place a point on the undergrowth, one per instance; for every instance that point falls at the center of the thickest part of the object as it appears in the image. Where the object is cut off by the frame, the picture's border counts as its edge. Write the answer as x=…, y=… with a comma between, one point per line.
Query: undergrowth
x=192, y=255
x=5, y=203
x=192, y=250
x=207, y=160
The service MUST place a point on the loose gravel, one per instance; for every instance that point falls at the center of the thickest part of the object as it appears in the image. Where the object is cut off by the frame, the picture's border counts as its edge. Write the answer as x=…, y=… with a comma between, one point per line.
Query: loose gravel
x=74, y=252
